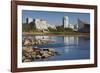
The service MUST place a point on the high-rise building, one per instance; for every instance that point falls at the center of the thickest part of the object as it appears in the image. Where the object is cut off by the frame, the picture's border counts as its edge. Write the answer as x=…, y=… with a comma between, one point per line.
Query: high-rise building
x=29, y=20
x=42, y=24
x=83, y=26
x=39, y=23
x=65, y=21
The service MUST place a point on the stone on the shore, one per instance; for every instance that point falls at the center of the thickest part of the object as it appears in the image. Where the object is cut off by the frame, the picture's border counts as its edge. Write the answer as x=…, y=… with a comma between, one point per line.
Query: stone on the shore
x=23, y=58
x=30, y=53
x=51, y=53
x=28, y=49
x=52, y=50
x=27, y=42
x=38, y=57
x=45, y=53
x=27, y=60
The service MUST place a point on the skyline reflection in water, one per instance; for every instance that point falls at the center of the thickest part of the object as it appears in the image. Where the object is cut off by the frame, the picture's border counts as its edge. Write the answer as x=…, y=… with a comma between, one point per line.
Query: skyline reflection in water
x=70, y=47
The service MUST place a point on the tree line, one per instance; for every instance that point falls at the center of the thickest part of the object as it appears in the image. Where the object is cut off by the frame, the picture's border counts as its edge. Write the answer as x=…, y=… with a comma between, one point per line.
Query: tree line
x=32, y=28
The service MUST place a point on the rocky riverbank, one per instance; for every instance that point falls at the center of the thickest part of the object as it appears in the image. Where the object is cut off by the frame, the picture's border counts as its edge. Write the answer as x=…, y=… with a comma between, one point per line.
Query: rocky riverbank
x=29, y=42
x=30, y=53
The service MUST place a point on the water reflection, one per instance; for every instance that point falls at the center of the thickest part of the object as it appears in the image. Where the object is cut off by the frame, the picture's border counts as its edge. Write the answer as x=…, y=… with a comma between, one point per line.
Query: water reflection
x=70, y=47
x=71, y=40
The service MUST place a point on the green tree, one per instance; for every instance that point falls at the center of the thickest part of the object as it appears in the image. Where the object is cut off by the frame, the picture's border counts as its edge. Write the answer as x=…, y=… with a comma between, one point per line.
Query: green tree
x=68, y=29
x=28, y=27
x=60, y=29
x=51, y=29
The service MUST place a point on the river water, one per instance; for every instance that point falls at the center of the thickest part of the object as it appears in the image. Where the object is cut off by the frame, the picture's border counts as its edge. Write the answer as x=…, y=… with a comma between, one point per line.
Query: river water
x=71, y=47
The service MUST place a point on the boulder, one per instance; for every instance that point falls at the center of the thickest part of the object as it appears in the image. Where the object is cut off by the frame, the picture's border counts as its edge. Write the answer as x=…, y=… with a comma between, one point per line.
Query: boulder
x=51, y=49
x=28, y=49
x=27, y=42
x=23, y=58
x=31, y=53
x=38, y=57
x=51, y=53
x=45, y=54
x=27, y=60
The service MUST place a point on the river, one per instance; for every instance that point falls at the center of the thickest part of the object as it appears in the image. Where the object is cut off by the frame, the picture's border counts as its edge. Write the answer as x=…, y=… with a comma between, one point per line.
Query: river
x=70, y=47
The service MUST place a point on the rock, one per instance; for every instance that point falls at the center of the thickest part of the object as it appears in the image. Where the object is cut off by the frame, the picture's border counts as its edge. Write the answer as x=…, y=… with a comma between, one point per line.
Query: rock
x=39, y=41
x=36, y=48
x=23, y=58
x=27, y=42
x=38, y=52
x=27, y=55
x=31, y=53
x=38, y=57
x=33, y=43
x=41, y=51
x=45, y=53
x=51, y=53
x=51, y=49
x=27, y=60
x=28, y=49
x=45, y=49
x=43, y=57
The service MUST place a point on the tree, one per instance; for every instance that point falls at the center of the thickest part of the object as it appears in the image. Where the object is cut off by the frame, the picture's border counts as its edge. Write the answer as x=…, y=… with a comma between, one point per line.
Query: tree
x=51, y=29
x=68, y=29
x=28, y=27
x=25, y=27
x=60, y=28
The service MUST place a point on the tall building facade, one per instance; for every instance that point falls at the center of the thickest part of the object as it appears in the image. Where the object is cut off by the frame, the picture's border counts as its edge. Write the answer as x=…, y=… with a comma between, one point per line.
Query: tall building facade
x=40, y=24
x=83, y=27
x=29, y=20
x=66, y=21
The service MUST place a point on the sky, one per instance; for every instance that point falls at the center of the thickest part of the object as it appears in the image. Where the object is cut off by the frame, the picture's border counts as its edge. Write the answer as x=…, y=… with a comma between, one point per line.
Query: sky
x=55, y=18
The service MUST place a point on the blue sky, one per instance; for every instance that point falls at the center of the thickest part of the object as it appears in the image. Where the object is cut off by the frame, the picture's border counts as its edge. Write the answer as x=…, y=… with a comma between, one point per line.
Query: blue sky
x=55, y=18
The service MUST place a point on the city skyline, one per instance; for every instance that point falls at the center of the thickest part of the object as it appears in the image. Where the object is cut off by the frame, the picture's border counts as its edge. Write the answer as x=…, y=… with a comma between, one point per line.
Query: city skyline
x=55, y=18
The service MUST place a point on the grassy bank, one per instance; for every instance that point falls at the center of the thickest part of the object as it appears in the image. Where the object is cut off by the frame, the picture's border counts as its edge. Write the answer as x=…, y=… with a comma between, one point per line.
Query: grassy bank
x=54, y=33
